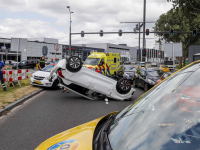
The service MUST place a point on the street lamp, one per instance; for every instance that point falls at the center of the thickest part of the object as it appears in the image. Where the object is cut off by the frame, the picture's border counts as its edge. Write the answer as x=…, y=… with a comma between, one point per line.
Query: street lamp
x=69, y=33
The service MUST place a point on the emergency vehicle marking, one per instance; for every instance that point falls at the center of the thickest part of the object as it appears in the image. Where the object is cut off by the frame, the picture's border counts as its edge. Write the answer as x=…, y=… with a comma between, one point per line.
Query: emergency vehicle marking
x=104, y=69
x=108, y=70
x=100, y=69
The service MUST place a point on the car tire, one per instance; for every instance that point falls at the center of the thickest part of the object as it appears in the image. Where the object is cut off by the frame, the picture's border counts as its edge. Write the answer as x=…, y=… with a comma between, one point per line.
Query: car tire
x=123, y=86
x=146, y=87
x=74, y=64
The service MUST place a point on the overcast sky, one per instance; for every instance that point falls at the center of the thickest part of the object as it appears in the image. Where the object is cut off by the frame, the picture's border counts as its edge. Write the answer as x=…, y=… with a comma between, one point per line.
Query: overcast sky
x=50, y=18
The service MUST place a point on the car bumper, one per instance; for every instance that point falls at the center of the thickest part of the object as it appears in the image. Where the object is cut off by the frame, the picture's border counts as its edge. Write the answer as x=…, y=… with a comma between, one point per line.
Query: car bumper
x=43, y=83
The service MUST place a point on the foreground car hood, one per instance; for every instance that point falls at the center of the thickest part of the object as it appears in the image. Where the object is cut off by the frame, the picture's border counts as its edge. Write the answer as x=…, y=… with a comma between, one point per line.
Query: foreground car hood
x=41, y=73
x=78, y=138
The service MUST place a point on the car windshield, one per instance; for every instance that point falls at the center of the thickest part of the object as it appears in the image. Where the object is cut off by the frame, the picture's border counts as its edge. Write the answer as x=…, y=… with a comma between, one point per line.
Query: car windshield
x=154, y=73
x=48, y=68
x=167, y=117
x=91, y=61
x=128, y=68
x=164, y=66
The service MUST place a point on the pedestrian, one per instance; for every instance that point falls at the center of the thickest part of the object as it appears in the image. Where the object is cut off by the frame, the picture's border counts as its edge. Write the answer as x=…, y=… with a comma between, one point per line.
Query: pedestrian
x=4, y=61
x=41, y=63
x=2, y=67
x=56, y=60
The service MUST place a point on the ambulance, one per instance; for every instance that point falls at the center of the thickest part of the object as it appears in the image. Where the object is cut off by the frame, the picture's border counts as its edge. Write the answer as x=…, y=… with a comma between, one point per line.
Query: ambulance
x=104, y=63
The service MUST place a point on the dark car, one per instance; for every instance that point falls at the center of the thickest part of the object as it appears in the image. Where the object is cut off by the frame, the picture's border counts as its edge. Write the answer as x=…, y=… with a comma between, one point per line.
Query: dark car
x=146, y=78
x=129, y=72
x=26, y=64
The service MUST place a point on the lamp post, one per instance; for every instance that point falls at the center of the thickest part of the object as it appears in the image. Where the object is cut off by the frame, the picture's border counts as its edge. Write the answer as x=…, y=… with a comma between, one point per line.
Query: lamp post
x=69, y=33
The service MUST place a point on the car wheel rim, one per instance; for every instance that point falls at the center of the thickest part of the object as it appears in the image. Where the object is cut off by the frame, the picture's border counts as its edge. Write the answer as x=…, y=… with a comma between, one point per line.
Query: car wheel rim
x=74, y=62
x=125, y=85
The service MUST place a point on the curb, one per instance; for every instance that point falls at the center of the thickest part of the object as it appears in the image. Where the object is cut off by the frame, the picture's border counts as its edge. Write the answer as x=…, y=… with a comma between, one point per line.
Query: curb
x=16, y=103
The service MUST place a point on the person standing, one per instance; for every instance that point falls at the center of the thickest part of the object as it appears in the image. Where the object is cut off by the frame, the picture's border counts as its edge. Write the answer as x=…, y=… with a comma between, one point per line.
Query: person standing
x=41, y=63
x=2, y=67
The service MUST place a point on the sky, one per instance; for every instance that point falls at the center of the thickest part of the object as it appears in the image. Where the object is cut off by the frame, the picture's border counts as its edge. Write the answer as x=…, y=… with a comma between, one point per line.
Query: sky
x=51, y=19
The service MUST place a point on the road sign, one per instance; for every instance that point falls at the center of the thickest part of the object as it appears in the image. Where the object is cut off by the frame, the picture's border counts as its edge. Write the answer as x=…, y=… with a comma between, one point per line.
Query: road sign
x=57, y=46
x=44, y=50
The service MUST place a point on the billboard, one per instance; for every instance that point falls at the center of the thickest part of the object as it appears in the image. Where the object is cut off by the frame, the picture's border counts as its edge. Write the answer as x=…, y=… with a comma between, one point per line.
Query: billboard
x=168, y=49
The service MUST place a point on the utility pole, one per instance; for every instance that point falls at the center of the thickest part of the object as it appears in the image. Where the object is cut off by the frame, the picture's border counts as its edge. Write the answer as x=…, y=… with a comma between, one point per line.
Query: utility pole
x=69, y=33
x=139, y=44
x=144, y=21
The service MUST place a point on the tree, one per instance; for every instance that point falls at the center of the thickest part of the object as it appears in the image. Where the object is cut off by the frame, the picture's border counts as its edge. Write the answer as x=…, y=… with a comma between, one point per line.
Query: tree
x=184, y=16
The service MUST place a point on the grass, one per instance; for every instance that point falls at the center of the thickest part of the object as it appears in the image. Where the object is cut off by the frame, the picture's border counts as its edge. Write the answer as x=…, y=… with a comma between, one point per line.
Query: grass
x=14, y=93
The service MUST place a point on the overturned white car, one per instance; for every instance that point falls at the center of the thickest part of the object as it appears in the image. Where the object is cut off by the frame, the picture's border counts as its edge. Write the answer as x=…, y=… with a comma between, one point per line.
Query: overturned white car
x=90, y=84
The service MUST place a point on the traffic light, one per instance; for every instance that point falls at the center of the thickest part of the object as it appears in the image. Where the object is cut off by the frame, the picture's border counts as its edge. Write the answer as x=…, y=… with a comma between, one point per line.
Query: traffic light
x=101, y=33
x=82, y=33
x=120, y=32
x=172, y=32
x=144, y=52
x=147, y=31
x=194, y=32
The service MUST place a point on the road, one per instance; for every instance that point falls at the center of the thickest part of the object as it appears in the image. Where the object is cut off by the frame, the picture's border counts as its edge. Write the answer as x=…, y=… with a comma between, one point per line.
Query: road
x=50, y=113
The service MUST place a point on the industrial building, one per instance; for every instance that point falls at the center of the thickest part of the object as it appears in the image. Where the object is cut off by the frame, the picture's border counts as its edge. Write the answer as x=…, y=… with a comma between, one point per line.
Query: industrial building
x=122, y=49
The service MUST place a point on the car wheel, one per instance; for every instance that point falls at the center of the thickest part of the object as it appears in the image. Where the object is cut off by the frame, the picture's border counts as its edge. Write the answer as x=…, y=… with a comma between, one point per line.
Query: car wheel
x=123, y=86
x=146, y=87
x=74, y=64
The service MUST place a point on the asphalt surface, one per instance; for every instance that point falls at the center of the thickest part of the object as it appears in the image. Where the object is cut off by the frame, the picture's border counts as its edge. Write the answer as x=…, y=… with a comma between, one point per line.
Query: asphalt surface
x=50, y=113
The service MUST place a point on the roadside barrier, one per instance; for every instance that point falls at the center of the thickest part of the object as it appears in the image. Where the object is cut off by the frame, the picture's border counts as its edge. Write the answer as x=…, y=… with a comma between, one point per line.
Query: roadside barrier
x=11, y=76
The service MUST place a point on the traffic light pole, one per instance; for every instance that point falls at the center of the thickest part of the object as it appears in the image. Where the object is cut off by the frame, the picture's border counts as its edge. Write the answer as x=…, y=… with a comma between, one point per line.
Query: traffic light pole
x=139, y=44
x=144, y=20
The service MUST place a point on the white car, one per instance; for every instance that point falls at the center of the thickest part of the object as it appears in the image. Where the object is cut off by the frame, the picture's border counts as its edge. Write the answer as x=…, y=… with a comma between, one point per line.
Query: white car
x=154, y=64
x=90, y=84
x=40, y=78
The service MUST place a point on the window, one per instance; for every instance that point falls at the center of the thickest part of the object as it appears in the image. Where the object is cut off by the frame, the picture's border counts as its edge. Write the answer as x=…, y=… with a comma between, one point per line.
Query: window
x=115, y=60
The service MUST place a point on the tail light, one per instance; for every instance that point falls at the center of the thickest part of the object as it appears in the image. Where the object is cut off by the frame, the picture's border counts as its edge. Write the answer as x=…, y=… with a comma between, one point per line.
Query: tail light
x=60, y=73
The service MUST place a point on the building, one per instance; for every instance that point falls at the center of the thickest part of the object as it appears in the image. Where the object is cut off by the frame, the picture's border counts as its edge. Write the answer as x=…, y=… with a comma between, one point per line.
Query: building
x=82, y=52
x=28, y=48
x=122, y=49
x=31, y=48
x=150, y=55
x=194, y=53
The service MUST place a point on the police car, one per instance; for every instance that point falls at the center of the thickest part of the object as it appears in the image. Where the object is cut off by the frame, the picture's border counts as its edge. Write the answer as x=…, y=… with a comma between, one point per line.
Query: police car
x=88, y=83
x=40, y=78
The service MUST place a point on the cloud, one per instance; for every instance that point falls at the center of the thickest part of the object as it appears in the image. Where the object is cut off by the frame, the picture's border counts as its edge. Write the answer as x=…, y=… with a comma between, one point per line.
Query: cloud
x=89, y=16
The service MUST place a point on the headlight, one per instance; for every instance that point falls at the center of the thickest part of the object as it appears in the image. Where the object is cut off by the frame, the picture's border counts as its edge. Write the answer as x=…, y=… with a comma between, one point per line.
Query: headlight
x=185, y=96
x=47, y=78
x=150, y=81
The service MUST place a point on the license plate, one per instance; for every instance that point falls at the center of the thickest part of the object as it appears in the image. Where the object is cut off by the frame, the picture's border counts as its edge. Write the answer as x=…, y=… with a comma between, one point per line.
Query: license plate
x=38, y=82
